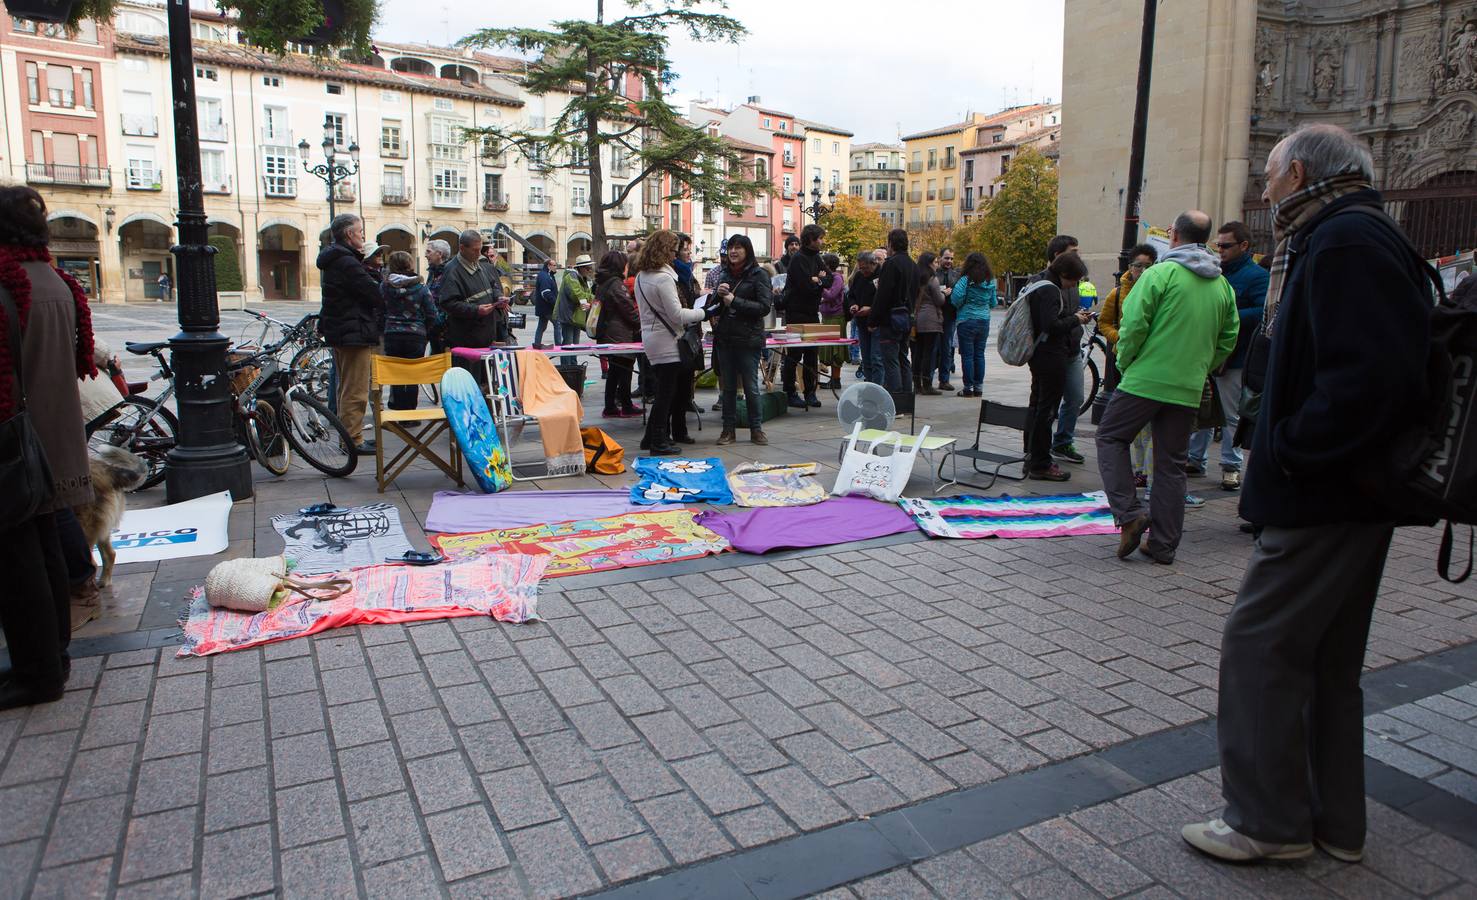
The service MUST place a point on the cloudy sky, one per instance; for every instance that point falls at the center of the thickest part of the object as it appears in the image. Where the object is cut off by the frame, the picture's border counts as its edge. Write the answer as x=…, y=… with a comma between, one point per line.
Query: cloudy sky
x=876, y=69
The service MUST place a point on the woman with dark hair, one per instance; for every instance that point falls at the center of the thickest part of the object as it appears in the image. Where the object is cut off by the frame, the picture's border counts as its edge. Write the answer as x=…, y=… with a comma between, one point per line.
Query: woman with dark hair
x=928, y=313
x=44, y=319
x=833, y=312
x=973, y=297
x=663, y=322
x=740, y=304
x=410, y=316
x=619, y=323
x=1053, y=319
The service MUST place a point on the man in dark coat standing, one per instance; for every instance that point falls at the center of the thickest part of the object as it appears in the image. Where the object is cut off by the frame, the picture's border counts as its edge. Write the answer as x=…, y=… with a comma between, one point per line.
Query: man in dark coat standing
x=350, y=320
x=472, y=295
x=802, y=305
x=545, y=291
x=1347, y=310
x=897, y=285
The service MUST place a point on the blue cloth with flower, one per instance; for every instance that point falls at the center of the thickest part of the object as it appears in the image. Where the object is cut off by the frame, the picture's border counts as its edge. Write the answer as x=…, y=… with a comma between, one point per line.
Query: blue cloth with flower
x=677, y=480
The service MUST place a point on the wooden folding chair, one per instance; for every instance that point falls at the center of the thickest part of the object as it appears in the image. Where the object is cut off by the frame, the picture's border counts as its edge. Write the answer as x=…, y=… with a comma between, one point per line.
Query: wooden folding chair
x=393, y=371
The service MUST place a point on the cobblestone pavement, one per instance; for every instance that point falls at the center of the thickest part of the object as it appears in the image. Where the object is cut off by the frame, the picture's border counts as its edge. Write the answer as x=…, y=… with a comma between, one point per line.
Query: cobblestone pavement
x=699, y=715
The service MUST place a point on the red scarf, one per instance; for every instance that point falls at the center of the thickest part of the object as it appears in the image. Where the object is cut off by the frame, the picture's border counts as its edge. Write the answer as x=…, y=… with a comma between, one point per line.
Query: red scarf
x=14, y=279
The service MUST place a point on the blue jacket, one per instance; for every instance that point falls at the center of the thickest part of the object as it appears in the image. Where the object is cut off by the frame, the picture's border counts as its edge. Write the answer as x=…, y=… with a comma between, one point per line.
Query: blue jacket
x=974, y=300
x=545, y=289
x=1249, y=281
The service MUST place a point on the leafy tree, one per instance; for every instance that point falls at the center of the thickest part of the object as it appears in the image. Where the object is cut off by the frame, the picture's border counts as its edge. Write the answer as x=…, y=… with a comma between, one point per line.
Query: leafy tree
x=927, y=236
x=1021, y=218
x=227, y=266
x=851, y=227
x=589, y=60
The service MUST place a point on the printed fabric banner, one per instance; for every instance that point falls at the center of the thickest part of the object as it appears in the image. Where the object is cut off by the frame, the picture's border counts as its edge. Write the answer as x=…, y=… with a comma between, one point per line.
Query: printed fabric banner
x=342, y=538
x=193, y=528
x=756, y=484
x=501, y=585
x=595, y=545
x=680, y=480
x=972, y=516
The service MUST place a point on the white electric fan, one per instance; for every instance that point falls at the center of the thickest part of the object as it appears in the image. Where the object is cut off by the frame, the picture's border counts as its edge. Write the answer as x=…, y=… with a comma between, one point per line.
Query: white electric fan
x=867, y=403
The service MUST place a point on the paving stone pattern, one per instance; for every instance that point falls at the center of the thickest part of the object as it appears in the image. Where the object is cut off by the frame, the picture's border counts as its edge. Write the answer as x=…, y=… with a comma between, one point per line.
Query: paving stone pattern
x=1434, y=739
x=1131, y=847
x=653, y=724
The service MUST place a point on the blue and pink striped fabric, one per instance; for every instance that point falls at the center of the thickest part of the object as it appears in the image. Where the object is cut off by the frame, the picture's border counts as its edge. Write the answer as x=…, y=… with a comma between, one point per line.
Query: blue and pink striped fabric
x=972, y=516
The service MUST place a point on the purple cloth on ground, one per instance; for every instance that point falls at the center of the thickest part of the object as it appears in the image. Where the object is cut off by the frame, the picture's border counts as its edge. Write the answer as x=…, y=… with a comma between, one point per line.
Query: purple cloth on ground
x=453, y=512
x=833, y=521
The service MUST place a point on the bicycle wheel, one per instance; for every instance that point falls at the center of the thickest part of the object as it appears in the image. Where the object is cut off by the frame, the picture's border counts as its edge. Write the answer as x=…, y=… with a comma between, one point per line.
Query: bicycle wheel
x=1094, y=368
x=265, y=440
x=317, y=435
x=312, y=367
x=142, y=430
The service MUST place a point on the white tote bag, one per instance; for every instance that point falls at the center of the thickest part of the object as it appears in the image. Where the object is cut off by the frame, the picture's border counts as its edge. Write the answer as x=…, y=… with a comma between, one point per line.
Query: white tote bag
x=867, y=473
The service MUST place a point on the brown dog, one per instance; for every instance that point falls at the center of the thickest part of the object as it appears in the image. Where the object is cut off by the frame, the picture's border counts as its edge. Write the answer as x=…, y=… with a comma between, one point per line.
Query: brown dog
x=114, y=472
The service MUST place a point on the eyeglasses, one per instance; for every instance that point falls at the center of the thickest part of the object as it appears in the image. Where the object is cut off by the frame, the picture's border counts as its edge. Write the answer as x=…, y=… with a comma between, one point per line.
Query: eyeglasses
x=1227, y=245
x=1138, y=266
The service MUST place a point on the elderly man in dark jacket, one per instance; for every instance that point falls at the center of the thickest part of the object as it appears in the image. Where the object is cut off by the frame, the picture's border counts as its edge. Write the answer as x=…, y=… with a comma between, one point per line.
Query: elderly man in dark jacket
x=801, y=303
x=545, y=291
x=897, y=285
x=1348, y=311
x=472, y=296
x=350, y=320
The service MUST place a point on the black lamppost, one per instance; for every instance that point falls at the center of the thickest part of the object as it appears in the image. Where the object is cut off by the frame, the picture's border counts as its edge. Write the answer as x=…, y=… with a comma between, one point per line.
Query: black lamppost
x=331, y=171
x=816, y=209
x=207, y=458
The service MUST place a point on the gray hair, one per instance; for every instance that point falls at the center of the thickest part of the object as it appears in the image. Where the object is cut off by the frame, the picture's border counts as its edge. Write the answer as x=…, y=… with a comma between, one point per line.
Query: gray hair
x=341, y=224
x=866, y=256
x=470, y=238
x=440, y=247
x=1325, y=151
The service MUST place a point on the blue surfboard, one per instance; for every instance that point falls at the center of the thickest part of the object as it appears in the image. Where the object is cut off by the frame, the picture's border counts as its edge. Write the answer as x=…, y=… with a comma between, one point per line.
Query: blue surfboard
x=471, y=423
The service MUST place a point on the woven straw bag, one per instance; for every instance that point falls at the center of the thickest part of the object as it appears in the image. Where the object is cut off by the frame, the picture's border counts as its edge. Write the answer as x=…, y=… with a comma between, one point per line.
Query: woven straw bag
x=248, y=585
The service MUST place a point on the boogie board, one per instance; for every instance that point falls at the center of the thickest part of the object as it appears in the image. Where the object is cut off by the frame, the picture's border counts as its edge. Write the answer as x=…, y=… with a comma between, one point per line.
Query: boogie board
x=466, y=410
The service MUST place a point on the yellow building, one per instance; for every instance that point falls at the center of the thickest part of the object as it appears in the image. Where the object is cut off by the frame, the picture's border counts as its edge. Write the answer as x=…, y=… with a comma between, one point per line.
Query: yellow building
x=827, y=157
x=932, y=181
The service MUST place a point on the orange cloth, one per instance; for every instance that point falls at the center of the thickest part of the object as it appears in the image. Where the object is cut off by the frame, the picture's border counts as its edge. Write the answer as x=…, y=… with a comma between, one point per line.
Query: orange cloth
x=546, y=397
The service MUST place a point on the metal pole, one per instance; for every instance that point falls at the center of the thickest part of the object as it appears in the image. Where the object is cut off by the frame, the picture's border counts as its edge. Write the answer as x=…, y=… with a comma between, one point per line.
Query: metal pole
x=207, y=458
x=1140, y=136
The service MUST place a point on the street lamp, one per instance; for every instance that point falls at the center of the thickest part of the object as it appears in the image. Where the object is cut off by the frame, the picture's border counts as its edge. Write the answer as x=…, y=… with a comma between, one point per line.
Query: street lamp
x=331, y=171
x=816, y=209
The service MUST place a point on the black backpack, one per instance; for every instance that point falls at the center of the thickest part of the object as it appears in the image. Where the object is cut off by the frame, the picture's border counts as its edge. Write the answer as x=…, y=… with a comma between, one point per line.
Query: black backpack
x=1435, y=463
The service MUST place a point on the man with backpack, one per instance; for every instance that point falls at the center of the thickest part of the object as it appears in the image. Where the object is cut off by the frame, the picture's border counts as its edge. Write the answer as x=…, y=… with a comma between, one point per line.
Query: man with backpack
x=1349, y=314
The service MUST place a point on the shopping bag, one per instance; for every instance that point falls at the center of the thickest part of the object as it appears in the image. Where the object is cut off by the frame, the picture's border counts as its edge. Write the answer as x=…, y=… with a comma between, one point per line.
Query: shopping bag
x=867, y=473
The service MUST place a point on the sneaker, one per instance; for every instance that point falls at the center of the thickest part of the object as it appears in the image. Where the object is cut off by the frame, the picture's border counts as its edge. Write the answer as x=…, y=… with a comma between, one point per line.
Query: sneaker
x=1130, y=534
x=1216, y=838
x=1193, y=502
x=727, y=437
x=1231, y=480
x=1052, y=472
x=1339, y=853
x=793, y=401
x=1194, y=470
x=812, y=400
x=366, y=448
x=1069, y=453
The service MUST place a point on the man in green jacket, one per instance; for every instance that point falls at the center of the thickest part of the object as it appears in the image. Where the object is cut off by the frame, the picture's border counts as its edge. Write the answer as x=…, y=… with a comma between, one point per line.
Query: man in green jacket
x=1179, y=324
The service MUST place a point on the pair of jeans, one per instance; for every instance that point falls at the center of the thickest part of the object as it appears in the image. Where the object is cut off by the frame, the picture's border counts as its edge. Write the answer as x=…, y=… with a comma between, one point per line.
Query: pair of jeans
x=1228, y=385
x=405, y=346
x=870, y=348
x=566, y=333
x=809, y=359
x=1291, y=711
x=618, y=384
x=1048, y=377
x=924, y=355
x=944, y=351
x=974, y=336
x=855, y=350
x=36, y=604
x=896, y=373
x=739, y=365
x=664, y=411
x=1074, y=394
x=1170, y=425
x=538, y=333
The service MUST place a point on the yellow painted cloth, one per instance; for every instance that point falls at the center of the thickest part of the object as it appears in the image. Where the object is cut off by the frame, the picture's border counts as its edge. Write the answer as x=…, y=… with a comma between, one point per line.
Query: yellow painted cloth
x=546, y=397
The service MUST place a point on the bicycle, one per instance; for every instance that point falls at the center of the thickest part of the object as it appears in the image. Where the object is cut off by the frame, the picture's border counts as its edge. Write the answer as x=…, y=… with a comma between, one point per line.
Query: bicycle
x=144, y=426
x=312, y=363
x=276, y=415
x=1092, y=372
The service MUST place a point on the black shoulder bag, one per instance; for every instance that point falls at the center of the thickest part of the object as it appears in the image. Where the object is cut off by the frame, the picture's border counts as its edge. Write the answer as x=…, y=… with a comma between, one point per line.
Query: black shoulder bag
x=25, y=477
x=689, y=340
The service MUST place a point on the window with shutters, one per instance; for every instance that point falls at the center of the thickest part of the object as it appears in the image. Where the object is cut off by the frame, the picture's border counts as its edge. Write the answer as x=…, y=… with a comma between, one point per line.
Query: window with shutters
x=390, y=143
x=60, y=90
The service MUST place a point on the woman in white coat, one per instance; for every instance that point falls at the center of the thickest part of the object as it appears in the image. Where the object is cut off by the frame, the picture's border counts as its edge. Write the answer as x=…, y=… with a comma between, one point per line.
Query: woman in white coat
x=663, y=321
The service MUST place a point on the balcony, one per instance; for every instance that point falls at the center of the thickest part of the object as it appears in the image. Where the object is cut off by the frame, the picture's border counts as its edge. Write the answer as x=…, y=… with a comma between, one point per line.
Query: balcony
x=396, y=195
x=933, y=164
x=282, y=187
x=967, y=204
x=788, y=193
x=948, y=223
x=140, y=125
x=621, y=212
x=947, y=194
x=495, y=202
x=61, y=99
x=933, y=195
x=915, y=196
x=915, y=167
x=495, y=160
x=949, y=163
x=277, y=137
x=72, y=176
x=214, y=131
x=710, y=216
x=540, y=203
x=143, y=179
x=620, y=169
x=579, y=206
x=210, y=186
x=444, y=198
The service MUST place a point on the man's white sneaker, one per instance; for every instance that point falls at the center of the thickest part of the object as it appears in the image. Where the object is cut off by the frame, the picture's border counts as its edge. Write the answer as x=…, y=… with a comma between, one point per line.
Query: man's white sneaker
x=1339, y=853
x=1216, y=838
